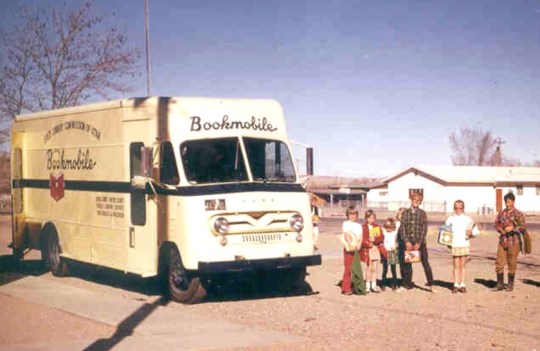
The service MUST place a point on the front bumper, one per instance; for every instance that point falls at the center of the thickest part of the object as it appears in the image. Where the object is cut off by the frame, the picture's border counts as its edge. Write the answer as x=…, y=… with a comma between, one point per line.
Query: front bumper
x=258, y=265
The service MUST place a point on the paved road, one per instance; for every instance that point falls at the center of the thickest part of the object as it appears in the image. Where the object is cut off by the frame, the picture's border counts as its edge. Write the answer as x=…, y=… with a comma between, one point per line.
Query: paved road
x=139, y=325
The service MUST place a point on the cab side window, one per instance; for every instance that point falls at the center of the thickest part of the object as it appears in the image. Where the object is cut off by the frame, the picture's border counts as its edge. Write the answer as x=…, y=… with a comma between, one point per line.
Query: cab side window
x=167, y=164
x=135, y=159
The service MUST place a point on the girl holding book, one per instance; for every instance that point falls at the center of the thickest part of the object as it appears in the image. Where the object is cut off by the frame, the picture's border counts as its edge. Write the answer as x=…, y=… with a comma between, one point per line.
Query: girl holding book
x=463, y=229
x=371, y=251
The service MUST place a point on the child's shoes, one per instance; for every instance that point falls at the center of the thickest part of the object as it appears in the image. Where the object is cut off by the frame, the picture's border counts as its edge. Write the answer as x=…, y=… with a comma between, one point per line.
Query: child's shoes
x=376, y=289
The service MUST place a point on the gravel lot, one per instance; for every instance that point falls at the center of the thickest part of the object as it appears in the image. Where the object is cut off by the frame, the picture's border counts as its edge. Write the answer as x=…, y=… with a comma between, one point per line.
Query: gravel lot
x=412, y=320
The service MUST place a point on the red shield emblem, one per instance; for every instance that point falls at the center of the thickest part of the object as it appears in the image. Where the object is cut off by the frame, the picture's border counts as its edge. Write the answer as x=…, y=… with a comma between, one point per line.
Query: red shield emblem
x=56, y=183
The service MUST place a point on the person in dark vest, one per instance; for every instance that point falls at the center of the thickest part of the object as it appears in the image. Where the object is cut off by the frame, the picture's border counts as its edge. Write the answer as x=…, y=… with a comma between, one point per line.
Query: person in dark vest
x=510, y=223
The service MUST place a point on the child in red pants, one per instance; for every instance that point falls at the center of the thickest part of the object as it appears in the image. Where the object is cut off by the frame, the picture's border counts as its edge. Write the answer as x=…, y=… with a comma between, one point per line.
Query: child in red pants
x=350, y=238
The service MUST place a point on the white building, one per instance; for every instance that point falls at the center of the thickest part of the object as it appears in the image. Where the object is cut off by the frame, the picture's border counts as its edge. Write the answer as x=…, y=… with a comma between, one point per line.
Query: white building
x=481, y=188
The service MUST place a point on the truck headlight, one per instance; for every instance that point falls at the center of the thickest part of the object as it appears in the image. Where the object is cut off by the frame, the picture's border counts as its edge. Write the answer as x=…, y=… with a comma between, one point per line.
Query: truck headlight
x=296, y=222
x=221, y=226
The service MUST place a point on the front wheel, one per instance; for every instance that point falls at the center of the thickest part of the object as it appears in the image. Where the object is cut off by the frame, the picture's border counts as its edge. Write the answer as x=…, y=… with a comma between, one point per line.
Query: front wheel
x=181, y=287
x=50, y=253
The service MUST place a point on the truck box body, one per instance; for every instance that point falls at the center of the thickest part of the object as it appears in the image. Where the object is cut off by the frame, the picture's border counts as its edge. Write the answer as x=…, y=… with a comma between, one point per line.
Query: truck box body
x=222, y=185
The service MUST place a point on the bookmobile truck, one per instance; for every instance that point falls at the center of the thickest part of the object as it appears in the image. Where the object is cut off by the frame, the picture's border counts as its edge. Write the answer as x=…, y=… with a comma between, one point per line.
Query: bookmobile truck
x=191, y=190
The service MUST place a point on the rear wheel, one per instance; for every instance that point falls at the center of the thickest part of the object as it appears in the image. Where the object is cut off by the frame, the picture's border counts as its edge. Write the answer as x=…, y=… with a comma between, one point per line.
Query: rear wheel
x=181, y=286
x=50, y=253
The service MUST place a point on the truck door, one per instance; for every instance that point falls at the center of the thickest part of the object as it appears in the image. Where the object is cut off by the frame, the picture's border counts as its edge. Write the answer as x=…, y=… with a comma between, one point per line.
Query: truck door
x=142, y=249
x=138, y=195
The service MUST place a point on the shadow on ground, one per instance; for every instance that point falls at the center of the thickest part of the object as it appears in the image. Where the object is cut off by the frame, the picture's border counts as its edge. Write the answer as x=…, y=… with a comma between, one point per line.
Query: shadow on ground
x=12, y=269
x=443, y=284
x=218, y=290
x=112, y=277
x=488, y=283
x=254, y=289
x=531, y=282
x=127, y=327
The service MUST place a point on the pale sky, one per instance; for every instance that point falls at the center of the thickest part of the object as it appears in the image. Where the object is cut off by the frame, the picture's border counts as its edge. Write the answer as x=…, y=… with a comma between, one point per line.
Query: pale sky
x=374, y=86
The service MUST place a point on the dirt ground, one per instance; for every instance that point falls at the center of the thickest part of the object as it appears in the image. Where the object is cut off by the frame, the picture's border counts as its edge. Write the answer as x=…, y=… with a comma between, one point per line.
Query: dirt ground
x=412, y=320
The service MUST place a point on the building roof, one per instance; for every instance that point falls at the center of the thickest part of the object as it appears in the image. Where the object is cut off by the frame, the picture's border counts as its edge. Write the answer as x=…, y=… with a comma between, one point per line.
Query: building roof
x=328, y=183
x=339, y=191
x=478, y=175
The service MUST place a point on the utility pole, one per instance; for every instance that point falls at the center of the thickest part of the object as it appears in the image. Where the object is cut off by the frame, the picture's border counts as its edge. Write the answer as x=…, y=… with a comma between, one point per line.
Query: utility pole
x=499, y=142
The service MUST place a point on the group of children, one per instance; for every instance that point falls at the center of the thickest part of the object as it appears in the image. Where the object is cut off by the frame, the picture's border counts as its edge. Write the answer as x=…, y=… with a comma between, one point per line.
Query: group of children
x=374, y=245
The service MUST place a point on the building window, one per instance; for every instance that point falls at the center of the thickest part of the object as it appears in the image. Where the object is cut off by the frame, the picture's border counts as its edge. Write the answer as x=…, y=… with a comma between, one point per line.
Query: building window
x=519, y=190
x=383, y=193
x=416, y=191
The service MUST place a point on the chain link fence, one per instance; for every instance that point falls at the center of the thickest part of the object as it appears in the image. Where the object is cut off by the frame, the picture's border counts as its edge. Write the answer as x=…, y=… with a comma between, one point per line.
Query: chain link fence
x=382, y=209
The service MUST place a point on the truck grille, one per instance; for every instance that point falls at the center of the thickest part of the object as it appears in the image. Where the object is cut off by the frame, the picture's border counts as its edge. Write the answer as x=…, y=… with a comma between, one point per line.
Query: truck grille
x=261, y=238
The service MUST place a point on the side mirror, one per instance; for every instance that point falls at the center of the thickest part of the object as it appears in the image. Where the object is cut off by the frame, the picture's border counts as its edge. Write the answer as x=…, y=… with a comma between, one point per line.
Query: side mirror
x=309, y=161
x=146, y=162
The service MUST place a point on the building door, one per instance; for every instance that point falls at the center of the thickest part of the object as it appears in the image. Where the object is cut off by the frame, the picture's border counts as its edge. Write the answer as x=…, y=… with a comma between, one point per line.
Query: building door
x=498, y=200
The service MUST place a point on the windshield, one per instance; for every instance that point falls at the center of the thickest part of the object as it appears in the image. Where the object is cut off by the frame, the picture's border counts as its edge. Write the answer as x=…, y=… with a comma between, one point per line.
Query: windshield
x=213, y=161
x=270, y=160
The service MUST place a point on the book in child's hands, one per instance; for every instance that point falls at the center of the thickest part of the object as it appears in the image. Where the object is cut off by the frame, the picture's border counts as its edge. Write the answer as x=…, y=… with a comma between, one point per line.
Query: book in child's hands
x=412, y=256
x=374, y=232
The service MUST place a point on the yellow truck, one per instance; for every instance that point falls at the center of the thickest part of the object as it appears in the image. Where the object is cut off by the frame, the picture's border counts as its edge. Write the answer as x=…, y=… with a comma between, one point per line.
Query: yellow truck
x=187, y=189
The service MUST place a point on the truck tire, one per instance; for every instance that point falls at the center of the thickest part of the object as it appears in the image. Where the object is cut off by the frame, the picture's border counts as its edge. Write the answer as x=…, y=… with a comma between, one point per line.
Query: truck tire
x=181, y=287
x=50, y=253
x=18, y=255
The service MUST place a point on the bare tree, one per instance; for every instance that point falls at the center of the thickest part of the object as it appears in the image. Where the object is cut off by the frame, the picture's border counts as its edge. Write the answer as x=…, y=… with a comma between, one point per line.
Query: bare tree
x=59, y=56
x=4, y=172
x=473, y=147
